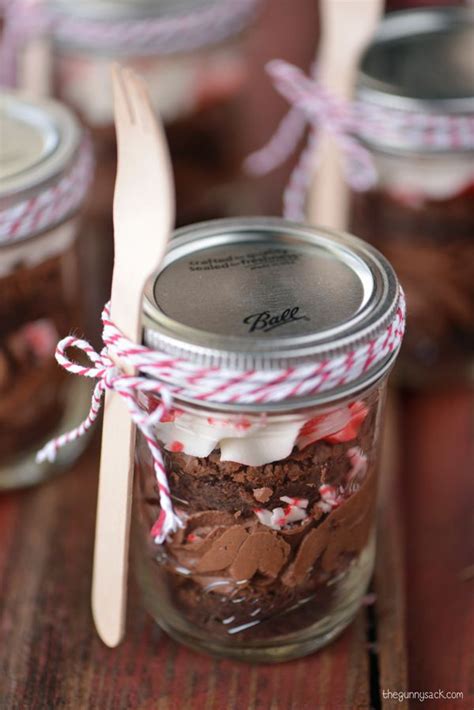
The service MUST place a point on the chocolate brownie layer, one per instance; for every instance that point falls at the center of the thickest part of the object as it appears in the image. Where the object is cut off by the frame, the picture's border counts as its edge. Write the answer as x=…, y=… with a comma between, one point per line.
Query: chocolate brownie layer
x=430, y=244
x=35, y=308
x=32, y=292
x=30, y=408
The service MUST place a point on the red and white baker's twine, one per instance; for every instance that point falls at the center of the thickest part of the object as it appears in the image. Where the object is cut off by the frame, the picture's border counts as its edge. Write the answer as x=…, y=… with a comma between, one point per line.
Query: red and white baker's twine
x=50, y=206
x=166, y=377
x=313, y=104
x=183, y=32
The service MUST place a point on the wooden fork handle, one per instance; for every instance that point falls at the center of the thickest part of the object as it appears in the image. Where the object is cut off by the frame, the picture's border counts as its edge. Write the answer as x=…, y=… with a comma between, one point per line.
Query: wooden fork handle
x=109, y=582
x=328, y=197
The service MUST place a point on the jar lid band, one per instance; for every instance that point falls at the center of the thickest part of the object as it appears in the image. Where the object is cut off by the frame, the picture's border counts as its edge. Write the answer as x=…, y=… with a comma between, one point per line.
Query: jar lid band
x=166, y=377
x=192, y=381
x=50, y=206
x=312, y=103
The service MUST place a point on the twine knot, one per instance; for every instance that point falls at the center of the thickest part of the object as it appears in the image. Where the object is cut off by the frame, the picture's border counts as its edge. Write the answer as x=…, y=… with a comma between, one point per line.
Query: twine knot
x=311, y=103
x=110, y=376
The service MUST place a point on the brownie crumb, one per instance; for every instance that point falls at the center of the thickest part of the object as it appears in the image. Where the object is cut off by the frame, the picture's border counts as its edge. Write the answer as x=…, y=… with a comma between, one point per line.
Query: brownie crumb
x=262, y=495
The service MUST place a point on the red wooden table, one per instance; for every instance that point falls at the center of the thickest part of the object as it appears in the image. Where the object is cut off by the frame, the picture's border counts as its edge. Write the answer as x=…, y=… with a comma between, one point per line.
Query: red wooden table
x=50, y=656
x=437, y=479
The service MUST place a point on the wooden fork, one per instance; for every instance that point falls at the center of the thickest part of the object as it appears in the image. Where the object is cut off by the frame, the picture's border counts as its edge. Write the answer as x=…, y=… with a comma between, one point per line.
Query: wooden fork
x=347, y=28
x=143, y=219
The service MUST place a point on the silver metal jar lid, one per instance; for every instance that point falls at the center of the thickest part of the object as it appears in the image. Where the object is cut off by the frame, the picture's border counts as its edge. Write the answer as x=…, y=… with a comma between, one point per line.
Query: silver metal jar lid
x=39, y=140
x=265, y=293
x=421, y=60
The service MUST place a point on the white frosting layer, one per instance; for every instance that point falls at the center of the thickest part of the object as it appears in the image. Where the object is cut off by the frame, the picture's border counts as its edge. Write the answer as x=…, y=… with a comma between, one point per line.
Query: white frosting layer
x=255, y=441
x=435, y=177
x=177, y=84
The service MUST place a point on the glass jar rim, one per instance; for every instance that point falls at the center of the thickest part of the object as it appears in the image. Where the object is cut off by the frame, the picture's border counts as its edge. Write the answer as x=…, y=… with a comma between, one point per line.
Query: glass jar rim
x=408, y=105
x=386, y=73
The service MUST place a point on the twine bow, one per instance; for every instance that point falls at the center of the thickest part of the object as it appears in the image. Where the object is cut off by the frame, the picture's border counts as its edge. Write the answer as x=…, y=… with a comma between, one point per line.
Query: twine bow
x=129, y=387
x=313, y=104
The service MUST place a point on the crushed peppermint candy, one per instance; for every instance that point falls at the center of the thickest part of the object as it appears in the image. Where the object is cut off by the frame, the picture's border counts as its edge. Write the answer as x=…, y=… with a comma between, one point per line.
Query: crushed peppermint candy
x=278, y=518
x=298, y=502
x=357, y=412
x=331, y=497
x=335, y=427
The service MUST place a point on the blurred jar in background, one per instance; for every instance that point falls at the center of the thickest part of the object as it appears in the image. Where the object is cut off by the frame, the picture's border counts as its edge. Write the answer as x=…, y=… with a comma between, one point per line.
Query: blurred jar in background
x=45, y=169
x=418, y=77
x=190, y=56
x=189, y=53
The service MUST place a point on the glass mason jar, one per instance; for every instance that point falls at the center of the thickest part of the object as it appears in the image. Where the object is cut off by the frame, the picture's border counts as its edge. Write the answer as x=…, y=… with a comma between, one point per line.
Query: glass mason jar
x=190, y=54
x=45, y=171
x=420, y=213
x=276, y=498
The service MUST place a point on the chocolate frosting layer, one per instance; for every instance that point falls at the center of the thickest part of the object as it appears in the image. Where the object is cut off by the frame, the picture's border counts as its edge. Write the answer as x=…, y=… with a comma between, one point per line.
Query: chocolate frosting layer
x=212, y=542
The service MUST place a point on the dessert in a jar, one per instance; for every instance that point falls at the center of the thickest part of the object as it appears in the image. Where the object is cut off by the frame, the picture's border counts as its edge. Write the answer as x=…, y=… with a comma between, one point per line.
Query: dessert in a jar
x=45, y=169
x=417, y=78
x=190, y=55
x=283, y=336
